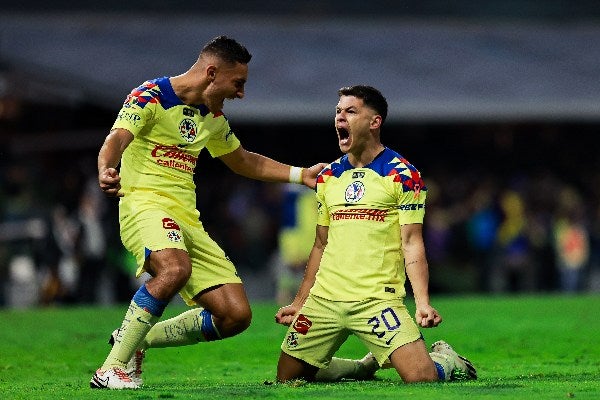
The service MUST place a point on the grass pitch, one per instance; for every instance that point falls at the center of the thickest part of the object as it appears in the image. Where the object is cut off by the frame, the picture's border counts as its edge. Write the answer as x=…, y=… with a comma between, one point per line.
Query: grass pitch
x=525, y=347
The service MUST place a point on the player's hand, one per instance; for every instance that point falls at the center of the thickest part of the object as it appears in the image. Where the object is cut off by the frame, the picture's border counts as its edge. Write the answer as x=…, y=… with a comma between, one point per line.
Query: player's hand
x=285, y=315
x=309, y=175
x=110, y=182
x=427, y=316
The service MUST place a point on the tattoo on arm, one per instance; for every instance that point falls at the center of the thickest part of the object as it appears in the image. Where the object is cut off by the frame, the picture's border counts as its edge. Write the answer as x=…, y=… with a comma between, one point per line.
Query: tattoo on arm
x=411, y=262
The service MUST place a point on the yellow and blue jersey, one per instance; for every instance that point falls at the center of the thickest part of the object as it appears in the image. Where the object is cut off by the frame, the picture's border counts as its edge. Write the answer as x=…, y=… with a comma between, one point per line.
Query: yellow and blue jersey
x=157, y=167
x=364, y=209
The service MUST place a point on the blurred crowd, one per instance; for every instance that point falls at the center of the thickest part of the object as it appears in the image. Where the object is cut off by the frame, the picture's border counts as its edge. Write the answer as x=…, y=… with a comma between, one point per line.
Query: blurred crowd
x=487, y=229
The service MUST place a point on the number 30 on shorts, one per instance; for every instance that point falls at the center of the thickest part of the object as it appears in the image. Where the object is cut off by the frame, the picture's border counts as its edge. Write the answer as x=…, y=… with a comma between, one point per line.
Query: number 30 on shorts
x=390, y=320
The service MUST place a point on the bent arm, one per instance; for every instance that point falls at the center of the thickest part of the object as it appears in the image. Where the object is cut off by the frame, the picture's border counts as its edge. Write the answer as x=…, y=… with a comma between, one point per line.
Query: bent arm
x=417, y=270
x=108, y=159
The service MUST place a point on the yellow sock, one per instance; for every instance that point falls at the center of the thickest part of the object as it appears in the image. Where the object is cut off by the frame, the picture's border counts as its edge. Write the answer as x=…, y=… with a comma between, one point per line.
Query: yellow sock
x=135, y=326
x=193, y=326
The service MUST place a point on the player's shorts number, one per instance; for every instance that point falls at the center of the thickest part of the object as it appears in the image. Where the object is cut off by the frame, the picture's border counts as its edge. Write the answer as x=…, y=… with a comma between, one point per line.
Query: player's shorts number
x=390, y=320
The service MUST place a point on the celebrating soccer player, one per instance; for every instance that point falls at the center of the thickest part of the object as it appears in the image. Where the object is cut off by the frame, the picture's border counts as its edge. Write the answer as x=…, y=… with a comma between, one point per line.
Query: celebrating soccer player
x=157, y=137
x=371, y=205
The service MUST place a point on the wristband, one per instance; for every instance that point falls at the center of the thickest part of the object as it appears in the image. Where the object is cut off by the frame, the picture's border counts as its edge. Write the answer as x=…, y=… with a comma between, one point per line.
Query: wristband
x=296, y=174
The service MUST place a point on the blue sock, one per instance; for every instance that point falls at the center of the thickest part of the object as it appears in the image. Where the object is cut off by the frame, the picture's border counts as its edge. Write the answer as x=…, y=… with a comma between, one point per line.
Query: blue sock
x=208, y=329
x=440, y=371
x=148, y=302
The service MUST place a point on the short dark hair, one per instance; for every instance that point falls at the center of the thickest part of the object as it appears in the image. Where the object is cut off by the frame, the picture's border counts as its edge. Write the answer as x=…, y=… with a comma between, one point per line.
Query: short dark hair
x=370, y=96
x=227, y=49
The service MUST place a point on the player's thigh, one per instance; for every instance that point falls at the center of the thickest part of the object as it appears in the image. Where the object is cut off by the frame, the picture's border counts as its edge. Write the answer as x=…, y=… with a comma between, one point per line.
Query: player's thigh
x=317, y=332
x=211, y=269
x=413, y=363
x=383, y=326
x=151, y=230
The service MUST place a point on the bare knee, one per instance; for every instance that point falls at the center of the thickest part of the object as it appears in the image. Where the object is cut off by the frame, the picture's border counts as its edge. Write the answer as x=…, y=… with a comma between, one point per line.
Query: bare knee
x=229, y=307
x=290, y=368
x=423, y=374
x=170, y=269
x=236, y=320
x=413, y=363
x=178, y=274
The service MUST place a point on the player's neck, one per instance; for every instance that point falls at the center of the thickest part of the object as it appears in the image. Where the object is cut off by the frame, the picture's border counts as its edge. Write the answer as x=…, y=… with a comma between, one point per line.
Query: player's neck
x=366, y=156
x=187, y=91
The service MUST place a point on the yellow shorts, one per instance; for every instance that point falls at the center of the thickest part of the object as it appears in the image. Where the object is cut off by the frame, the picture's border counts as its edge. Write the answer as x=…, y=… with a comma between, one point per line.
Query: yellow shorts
x=155, y=229
x=322, y=326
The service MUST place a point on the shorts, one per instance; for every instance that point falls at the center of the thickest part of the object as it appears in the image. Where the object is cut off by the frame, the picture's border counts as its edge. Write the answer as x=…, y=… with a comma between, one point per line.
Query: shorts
x=154, y=229
x=322, y=326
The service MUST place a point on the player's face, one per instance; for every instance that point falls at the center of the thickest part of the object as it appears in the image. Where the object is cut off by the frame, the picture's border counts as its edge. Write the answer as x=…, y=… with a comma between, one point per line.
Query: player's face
x=353, y=121
x=228, y=83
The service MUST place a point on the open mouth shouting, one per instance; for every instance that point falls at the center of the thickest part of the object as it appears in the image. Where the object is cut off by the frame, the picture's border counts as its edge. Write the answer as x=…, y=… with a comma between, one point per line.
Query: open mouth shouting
x=343, y=136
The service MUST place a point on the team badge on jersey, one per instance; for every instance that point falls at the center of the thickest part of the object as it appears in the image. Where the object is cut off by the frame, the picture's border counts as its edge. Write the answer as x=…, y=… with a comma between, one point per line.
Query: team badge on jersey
x=302, y=324
x=174, y=236
x=292, y=340
x=188, y=130
x=174, y=233
x=355, y=191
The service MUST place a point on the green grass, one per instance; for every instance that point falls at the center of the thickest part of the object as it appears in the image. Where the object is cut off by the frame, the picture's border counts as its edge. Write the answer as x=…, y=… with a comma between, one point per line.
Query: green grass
x=526, y=347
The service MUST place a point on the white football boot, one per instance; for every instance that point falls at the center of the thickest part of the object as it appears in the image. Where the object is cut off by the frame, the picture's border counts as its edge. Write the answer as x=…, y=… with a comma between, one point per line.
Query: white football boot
x=463, y=368
x=134, y=367
x=113, y=378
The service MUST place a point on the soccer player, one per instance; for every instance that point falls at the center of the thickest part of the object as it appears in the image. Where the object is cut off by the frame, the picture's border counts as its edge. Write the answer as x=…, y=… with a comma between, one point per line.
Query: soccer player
x=371, y=205
x=157, y=137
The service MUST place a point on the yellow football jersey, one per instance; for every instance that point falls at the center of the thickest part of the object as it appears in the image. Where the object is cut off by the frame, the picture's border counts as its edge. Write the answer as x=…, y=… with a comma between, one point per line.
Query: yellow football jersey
x=158, y=166
x=364, y=209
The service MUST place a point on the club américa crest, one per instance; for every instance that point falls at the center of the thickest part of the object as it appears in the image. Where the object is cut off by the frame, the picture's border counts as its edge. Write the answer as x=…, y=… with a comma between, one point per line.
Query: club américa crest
x=188, y=130
x=173, y=230
x=291, y=340
x=355, y=191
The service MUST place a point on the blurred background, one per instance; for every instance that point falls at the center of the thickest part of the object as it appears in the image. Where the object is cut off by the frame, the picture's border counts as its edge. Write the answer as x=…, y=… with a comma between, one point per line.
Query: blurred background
x=496, y=102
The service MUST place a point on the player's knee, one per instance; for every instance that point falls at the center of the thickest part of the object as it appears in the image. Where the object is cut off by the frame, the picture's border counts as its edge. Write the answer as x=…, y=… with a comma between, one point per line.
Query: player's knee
x=234, y=321
x=420, y=375
x=178, y=274
x=241, y=317
x=290, y=368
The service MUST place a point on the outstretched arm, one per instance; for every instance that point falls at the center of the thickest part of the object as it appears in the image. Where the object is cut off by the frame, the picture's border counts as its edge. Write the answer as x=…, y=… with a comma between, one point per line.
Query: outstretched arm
x=256, y=166
x=108, y=158
x=417, y=271
x=286, y=314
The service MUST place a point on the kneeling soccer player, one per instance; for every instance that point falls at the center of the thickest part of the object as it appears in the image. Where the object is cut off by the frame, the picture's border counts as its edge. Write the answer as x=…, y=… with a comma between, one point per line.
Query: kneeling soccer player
x=371, y=206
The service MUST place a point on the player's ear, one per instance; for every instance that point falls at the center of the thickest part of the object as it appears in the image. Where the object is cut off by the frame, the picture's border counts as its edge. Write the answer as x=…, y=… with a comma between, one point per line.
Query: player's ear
x=376, y=121
x=211, y=72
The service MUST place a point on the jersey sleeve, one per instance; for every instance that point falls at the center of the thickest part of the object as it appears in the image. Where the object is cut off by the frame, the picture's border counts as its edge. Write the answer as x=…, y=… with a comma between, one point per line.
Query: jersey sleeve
x=411, y=192
x=138, y=109
x=222, y=141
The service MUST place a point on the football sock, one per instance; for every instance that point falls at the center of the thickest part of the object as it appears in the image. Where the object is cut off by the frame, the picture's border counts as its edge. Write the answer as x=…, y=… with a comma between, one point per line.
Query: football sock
x=343, y=368
x=443, y=364
x=143, y=312
x=193, y=326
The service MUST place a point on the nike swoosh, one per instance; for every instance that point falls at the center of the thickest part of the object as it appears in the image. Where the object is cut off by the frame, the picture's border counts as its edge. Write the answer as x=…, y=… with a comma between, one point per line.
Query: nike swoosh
x=99, y=382
x=387, y=342
x=143, y=322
